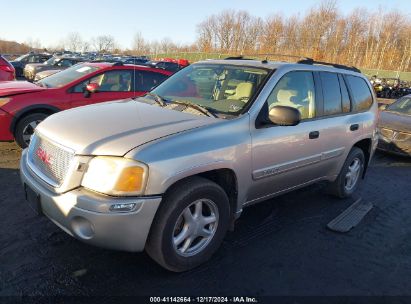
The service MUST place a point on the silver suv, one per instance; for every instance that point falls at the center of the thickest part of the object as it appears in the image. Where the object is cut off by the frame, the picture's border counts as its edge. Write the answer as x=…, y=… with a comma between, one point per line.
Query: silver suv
x=170, y=172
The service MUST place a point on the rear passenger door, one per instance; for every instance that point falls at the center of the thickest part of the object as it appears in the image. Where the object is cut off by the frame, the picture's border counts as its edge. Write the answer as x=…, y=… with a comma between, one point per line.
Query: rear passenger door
x=341, y=120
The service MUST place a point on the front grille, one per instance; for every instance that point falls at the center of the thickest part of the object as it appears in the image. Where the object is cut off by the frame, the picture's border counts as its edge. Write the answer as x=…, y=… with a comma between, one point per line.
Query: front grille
x=48, y=160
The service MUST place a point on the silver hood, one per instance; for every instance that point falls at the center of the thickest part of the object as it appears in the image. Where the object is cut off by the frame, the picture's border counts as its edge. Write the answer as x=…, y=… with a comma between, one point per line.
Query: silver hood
x=114, y=128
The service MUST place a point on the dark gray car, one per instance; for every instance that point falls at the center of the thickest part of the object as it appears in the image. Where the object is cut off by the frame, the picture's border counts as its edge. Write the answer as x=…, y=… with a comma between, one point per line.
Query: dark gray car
x=55, y=63
x=395, y=127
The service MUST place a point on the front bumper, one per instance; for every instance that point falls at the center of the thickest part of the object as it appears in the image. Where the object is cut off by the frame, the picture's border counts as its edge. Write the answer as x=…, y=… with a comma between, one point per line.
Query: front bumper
x=5, y=122
x=85, y=215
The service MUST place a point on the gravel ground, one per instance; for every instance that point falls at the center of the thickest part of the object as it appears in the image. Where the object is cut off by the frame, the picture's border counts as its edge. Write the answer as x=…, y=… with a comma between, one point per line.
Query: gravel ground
x=279, y=247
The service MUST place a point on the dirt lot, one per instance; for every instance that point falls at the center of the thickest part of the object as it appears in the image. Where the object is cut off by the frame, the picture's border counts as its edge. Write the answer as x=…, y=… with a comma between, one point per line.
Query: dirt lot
x=280, y=247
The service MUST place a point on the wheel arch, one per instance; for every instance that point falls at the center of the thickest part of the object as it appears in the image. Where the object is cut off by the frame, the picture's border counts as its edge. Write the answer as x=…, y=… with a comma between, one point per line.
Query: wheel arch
x=365, y=145
x=225, y=177
x=39, y=108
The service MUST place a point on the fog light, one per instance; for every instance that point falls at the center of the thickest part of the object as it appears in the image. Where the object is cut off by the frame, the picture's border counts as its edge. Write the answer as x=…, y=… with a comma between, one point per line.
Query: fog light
x=122, y=207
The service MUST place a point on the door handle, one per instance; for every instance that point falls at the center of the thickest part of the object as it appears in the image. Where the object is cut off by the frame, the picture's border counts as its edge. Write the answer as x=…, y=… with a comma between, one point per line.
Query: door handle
x=314, y=134
x=354, y=127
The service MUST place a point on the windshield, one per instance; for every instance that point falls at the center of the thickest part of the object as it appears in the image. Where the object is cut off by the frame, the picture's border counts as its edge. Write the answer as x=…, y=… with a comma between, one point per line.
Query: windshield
x=51, y=61
x=221, y=88
x=402, y=105
x=66, y=76
x=21, y=57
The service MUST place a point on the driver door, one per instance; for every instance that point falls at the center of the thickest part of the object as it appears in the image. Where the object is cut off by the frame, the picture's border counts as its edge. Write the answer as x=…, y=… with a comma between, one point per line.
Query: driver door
x=114, y=85
x=284, y=157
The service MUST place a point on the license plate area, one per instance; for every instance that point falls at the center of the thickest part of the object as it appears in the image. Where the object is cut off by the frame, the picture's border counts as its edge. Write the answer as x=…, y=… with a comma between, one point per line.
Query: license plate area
x=34, y=199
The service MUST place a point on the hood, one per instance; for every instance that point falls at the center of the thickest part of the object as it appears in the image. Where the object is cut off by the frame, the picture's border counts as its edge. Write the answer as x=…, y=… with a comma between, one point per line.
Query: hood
x=394, y=121
x=48, y=72
x=8, y=88
x=44, y=67
x=44, y=74
x=114, y=128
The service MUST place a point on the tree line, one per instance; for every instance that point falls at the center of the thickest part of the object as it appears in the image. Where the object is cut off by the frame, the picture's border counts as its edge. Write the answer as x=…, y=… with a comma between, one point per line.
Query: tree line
x=368, y=39
x=363, y=38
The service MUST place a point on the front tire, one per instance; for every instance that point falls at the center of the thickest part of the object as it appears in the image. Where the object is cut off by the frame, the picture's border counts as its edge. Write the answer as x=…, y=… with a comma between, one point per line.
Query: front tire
x=190, y=225
x=25, y=128
x=350, y=175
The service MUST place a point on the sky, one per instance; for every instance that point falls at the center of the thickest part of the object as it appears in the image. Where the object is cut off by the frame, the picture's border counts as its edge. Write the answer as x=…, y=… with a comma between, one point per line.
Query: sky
x=50, y=21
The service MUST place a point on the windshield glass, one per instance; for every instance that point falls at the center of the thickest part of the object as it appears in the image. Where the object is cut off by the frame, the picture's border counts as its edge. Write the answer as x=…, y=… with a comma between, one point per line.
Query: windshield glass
x=66, y=76
x=21, y=57
x=402, y=105
x=221, y=88
x=51, y=61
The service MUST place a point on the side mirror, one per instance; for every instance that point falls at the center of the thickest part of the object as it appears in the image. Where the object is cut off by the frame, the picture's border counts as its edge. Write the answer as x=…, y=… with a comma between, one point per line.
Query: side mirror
x=284, y=116
x=91, y=88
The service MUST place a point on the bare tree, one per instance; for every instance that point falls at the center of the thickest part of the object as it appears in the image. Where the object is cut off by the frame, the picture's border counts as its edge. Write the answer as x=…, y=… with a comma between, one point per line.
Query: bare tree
x=140, y=45
x=103, y=43
x=74, y=42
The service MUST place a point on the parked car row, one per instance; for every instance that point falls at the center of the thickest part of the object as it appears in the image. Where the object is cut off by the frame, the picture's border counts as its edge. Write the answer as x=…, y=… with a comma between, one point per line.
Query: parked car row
x=23, y=105
x=391, y=88
x=36, y=66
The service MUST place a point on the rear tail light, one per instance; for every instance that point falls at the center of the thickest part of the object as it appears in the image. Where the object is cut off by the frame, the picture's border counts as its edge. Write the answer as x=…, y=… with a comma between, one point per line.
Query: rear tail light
x=5, y=66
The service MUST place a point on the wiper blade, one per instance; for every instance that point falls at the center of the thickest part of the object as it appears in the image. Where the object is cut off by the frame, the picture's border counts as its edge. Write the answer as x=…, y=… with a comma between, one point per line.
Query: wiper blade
x=202, y=109
x=40, y=84
x=158, y=99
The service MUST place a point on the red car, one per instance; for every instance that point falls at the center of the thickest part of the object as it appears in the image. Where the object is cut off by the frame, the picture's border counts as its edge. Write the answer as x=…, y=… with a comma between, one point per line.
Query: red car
x=7, y=71
x=23, y=105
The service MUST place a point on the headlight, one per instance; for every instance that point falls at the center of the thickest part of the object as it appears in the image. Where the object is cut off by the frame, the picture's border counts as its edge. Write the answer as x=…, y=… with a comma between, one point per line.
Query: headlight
x=3, y=101
x=115, y=176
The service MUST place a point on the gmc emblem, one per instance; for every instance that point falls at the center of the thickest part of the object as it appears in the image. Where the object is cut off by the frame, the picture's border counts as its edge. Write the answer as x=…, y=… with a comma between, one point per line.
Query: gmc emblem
x=44, y=157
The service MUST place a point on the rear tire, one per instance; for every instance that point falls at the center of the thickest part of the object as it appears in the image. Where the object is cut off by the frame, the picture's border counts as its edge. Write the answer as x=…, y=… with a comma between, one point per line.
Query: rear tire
x=182, y=237
x=25, y=128
x=350, y=175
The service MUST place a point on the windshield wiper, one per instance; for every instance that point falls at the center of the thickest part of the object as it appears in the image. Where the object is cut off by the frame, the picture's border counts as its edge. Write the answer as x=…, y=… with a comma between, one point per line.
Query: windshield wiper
x=202, y=109
x=158, y=99
x=41, y=84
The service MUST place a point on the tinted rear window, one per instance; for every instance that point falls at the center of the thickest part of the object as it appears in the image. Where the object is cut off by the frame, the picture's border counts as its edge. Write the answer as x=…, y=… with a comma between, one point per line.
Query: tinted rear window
x=362, y=98
x=146, y=81
x=331, y=92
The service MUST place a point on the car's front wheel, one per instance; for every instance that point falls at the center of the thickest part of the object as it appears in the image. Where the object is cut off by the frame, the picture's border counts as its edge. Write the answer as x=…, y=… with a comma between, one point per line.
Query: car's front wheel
x=190, y=225
x=25, y=128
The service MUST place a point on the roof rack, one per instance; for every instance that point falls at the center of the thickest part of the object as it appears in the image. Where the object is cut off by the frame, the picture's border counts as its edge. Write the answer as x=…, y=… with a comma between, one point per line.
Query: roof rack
x=266, y=57
x=241, y=57
x=335, y=65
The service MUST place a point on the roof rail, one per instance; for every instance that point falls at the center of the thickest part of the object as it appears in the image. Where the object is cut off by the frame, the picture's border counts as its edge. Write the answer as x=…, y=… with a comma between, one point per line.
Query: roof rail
x=266, y=57
x=335, y=65
x=241, y=57
x=118, y=63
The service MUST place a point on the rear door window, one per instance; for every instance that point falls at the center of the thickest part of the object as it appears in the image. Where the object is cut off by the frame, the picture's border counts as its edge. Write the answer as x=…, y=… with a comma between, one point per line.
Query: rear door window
x=146, y=81
x=346, y=102
x=361, y=94
x=331, y=93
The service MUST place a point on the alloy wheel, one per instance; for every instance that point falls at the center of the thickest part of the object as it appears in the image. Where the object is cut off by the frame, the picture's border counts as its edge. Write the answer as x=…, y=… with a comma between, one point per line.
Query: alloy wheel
x=195, y=227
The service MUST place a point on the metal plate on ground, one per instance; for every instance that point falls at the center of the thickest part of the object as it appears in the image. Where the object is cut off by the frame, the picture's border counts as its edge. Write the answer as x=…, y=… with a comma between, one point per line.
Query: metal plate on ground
x=351, y=217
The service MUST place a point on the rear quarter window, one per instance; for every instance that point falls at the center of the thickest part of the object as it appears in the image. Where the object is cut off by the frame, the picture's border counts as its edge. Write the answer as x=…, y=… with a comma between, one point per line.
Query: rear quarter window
x=362, y=98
